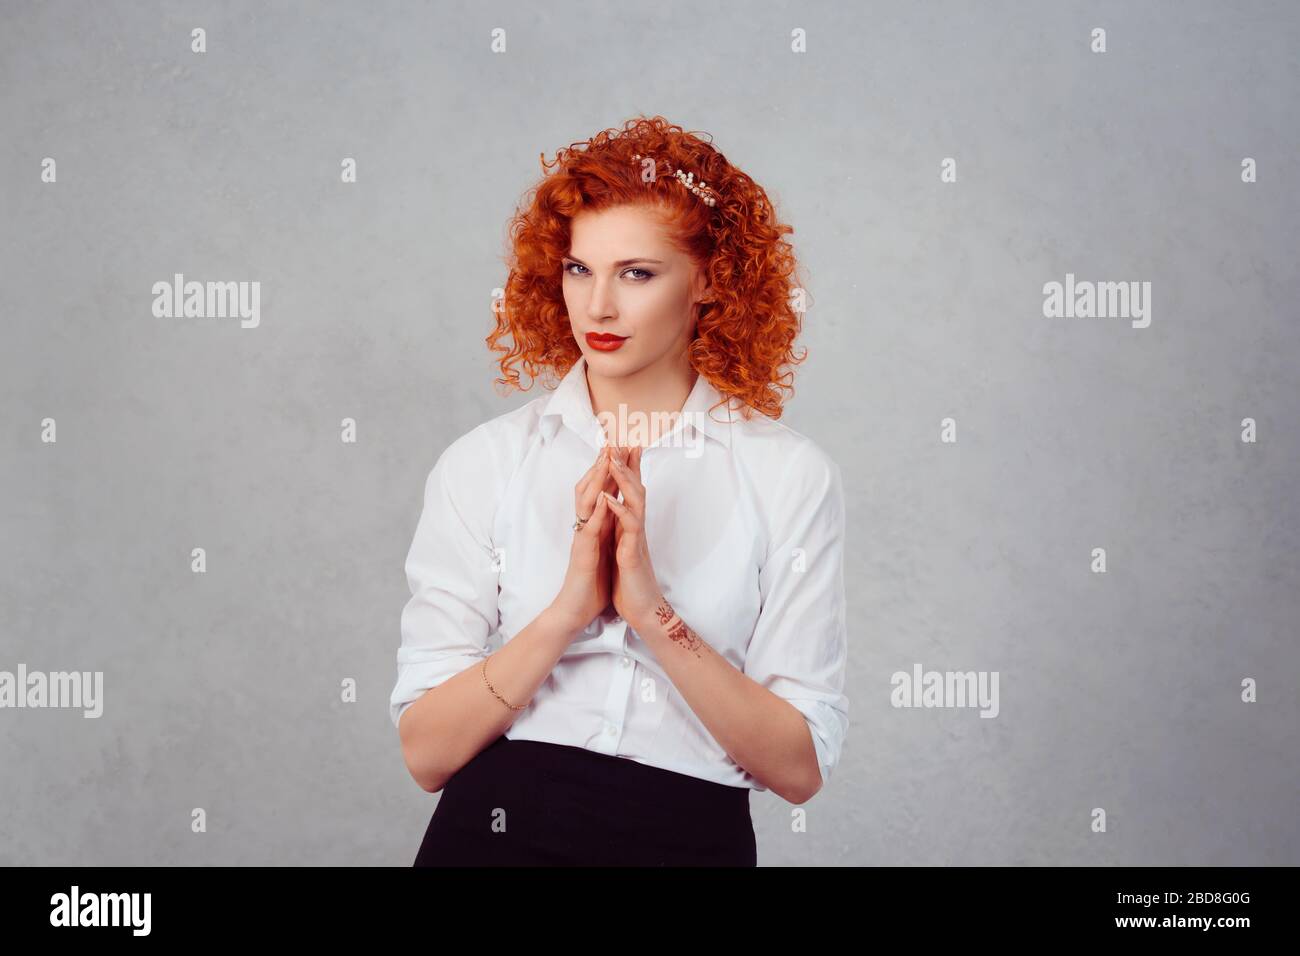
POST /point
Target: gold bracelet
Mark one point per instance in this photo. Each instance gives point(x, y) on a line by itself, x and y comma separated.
point(494, 690)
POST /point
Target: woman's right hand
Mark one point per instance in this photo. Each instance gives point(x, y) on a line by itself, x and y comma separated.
point(586, 590)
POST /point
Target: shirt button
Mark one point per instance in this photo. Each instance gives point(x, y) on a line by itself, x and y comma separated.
point(611, 729)
point(627, 662)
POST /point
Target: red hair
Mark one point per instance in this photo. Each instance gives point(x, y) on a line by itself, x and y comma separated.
point(744, 337)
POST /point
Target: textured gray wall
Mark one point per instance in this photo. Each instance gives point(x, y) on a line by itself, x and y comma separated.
point(1119, 690)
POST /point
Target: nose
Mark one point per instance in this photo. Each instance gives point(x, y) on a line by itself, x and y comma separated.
point(601, 305)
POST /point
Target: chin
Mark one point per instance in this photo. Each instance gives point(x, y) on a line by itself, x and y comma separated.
point(612, 364)
point(618, 357)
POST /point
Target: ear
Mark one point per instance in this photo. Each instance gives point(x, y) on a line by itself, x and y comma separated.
point(703, 287)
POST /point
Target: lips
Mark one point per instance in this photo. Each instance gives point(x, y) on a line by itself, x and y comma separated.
point(605, 341)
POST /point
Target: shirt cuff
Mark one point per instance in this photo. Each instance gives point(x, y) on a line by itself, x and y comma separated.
point(420, 669)
point(827, 725)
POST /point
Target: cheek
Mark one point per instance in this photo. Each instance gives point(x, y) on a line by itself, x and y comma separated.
point(664, 313)
point(572, 303)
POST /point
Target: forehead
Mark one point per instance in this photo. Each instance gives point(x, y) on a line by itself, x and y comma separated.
point(619, 233)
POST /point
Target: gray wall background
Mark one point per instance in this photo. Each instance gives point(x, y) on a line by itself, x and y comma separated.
point(222, 690)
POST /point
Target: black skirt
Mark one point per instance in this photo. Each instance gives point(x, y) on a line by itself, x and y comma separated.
point(528, 803)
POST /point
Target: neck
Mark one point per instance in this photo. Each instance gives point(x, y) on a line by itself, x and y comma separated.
point(651, 398)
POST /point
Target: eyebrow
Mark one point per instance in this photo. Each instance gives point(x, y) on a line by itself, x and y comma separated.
point(621, 262)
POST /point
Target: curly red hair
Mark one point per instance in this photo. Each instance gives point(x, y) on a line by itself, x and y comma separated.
point(744, 337)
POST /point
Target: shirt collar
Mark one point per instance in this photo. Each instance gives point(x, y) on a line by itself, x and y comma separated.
point(570, 404)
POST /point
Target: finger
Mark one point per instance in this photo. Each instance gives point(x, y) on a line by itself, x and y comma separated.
point(596, 522)
point(601, 456)
point(585, 496)
point(626, 518)
point(609, 484)
point(630, 485)
point(633, 464)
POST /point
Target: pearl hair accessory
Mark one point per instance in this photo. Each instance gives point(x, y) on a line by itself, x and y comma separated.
point(700, 189)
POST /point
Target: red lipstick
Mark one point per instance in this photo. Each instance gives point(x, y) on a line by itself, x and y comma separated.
point(605, 341)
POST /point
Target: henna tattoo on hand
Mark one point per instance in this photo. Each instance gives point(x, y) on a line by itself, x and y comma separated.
point(678, 632)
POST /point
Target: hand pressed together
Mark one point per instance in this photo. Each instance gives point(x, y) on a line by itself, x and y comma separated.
point(635, 589)
point(609, 560)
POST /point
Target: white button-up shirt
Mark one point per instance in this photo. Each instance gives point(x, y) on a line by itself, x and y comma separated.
point(744, 523)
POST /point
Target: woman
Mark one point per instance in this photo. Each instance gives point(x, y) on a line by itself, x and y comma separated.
point(627, 609)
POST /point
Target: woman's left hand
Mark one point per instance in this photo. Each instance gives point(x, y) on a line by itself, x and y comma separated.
point(635, 590)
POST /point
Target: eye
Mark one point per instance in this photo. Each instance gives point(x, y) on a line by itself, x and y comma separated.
point(645, 274)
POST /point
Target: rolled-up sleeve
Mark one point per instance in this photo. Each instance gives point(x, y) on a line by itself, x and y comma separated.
point(799, 649)
point(452, 575)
